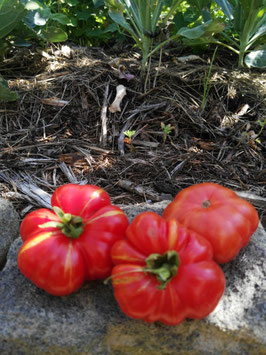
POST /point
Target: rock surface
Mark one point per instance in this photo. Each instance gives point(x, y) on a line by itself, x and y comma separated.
point(9, 228)
point(90, 322)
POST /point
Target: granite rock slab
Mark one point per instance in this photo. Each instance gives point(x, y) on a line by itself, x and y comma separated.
point(90, 321)
point(9, 228)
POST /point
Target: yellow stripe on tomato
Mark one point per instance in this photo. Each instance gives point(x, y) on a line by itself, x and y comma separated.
point(128, 259)
point(172, 233)
point(107, 214)
point(68, 263)
point(36, 241)
point(94, 196)
point(58, 201)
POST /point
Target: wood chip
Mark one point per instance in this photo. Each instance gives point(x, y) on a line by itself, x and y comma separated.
point(54, 101)
point(145, 192)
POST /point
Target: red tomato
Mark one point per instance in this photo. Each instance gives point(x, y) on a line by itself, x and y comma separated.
point(218, 214)
point(165, 272)
point(61, 251)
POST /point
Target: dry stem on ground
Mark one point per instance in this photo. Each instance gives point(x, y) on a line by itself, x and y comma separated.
point(54, 135)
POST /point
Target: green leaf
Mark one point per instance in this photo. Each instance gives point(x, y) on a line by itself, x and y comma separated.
point(227, 8)
point(46, 13)
point(21, 43)
point(84, 15)
point(191, 15)
point(98, 3)
point(156, 15)
point(129, 133)
point(54, 34)
point(200, 4)
point(61, 18)
point(11, 12)
point(191, 33)
point(6, 94)
point(259, 32)
point(120, 20)
point(179, 21)
point(113, 27)
point(262, 123)
point(72, 2)
point(256, 59)
point(212, 27)
point(73, 21)
point(206, 15)
point(115, 5)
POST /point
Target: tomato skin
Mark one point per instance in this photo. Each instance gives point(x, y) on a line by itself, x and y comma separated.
point(60, 264)
point(193, 292)
point(30, 224)
point(54, 265)
point(227, 223)
point(80, 200)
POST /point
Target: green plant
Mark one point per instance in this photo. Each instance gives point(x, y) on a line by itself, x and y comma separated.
point(21, 21)
point(144, 21)
point(192, 12)
point(206, 82)
point(140, 19)
point(87, 22)
point(129, 134)
point(11, 13)
point(44, 23)
point(166, 130)
point(6, 94)
point(262, 125)
point(247, 24)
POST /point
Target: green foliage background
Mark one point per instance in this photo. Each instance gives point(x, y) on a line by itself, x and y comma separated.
point(239, 25)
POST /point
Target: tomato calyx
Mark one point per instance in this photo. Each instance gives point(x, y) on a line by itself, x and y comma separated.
point(206, 204)
point(71, 226)
point(164, 267)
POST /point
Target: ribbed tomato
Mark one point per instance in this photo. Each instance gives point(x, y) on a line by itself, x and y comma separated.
point(65, 247)
point(165, 272)
point(218, 214)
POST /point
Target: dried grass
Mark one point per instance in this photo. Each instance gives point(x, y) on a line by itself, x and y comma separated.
point(52, 135)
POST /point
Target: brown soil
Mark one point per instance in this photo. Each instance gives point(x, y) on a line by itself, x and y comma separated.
point(49, 142)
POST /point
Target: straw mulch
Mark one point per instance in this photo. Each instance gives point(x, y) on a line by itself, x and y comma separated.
point(61, 130)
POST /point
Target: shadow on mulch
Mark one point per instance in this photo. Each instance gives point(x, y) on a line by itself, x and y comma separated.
point(55, 132)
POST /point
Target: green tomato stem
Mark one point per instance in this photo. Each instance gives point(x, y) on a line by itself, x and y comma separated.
point(71, 226)
point(164, 267)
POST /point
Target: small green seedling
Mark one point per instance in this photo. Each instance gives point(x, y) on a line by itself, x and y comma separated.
point(166, 131)
point(262, 124)
point(129, 134)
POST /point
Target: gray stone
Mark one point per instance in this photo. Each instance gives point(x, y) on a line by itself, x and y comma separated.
point(90, 322)
point(9, 228)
